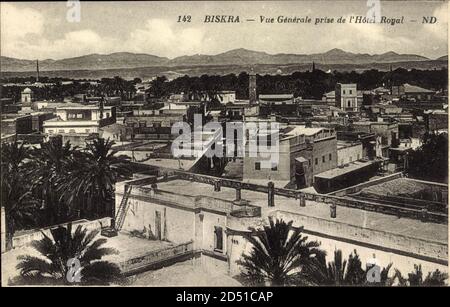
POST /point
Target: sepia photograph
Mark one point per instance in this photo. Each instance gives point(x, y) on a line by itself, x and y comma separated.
point(214, 146)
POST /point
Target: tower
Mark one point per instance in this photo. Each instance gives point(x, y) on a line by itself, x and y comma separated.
point(26, 96)
point(26, 99)
point(252, 88)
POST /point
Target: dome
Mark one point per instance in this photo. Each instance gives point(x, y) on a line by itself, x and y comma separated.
point(27, 91)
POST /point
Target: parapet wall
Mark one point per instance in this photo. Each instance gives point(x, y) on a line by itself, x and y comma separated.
point(359, 187)
point(188, 201)
point(320, 198)
point(157, 258)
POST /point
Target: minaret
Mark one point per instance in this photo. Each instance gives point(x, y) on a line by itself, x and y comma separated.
point(37, 70)
point(390, 78)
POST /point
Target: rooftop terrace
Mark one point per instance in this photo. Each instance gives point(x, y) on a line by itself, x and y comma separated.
point(351, 216)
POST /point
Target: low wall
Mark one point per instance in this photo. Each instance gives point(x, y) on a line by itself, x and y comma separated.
point(26, 237)
point(359, 187)
point(157, 258)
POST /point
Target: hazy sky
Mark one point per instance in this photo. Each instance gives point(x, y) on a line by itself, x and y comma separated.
point(41, 30)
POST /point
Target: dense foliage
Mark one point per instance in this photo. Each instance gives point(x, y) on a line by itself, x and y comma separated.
point(56, 183)
point(307, 84)
point(430, 161)
point(59, 89)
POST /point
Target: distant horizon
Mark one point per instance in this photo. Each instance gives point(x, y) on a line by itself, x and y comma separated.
point(234, 49)
point(40, 30)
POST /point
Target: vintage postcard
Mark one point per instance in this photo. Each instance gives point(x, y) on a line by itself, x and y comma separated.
point(224, 144)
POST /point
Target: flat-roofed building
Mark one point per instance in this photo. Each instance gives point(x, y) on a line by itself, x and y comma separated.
point(348, 152)
point(345, 175)
point(79, 120)
point(347, 97)
point(16, 124)
point(303, 152)
point(386, 132)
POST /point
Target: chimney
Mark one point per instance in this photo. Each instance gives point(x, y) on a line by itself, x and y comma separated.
point(252, 88)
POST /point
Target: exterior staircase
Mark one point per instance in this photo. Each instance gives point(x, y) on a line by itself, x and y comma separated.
point(120, 215)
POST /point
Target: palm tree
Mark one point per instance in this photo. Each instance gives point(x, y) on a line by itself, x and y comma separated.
point(51, 166)
point(52, 267)
point(278, 252)
point(16, 197)
point(415, 278)
point(93, 176)
point(339, 272)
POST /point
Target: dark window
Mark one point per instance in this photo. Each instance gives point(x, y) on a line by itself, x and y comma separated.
point(218, 238)
point(258, 166)
point(316, 161)
point(329, 156)
point(323, 159)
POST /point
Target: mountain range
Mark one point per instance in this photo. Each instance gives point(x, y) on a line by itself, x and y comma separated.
point(233, 57)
